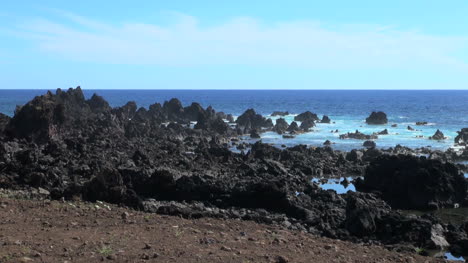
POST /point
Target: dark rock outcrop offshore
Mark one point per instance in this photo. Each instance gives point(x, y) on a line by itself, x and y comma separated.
point(151, 159)
point(377, 118)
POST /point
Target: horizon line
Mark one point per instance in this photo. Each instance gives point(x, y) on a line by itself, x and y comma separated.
point(45, 89)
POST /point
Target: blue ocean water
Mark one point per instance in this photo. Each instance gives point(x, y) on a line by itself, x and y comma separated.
point(443, 109)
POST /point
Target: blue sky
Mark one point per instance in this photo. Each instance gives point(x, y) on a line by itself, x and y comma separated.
point(234, 44)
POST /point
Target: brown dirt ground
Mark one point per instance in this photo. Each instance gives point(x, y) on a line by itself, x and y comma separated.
point(55, 231)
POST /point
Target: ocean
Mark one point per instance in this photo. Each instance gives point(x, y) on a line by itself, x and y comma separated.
point(443, 109)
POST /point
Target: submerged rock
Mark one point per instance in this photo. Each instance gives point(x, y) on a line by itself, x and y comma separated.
point(377, 118)
point(384, 132)
point(280, 113)
point(410, 182)
point(358, 135)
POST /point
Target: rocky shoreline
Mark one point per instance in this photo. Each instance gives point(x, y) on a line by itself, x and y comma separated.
point(175, 160)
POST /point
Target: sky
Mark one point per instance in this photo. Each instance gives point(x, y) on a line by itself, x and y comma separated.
point(208, 44)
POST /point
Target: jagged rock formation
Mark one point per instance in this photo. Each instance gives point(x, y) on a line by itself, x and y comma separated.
point(251, 120)
point(281, 126)
point(306, 116)
point(438, 135)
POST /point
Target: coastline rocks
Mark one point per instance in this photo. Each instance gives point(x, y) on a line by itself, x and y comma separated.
point(377, 118)
point(409, 128)
point(280, 113)
point(281, 126)
point(394, 125)
point(327, 143)
point(421, 123)
point(251, 120)
point(325, 119)
point(369, 144)
point(306, 125)
point(409, 182)
point(462, 137)
point(358, 135)
point(125, 155)
point(306, 116)
point(438, 135)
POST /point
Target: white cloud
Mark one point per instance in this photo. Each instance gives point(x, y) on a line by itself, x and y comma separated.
point(243, 41)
